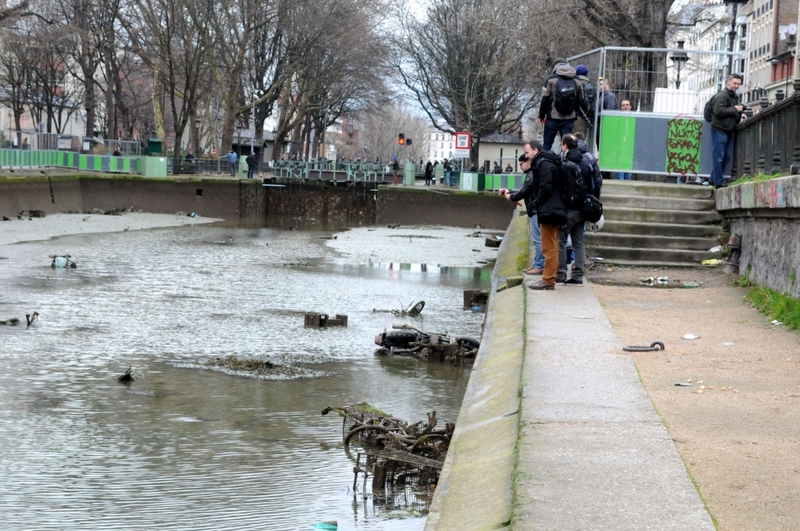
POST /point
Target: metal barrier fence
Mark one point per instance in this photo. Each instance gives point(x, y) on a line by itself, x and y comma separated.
point(667, 89)
point(22, 158)
point(33, 140)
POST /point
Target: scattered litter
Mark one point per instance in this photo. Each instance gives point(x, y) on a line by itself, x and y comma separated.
point(776, 322)
point(649, 281)
point(690, 284)
point(726, 344)
point(596, 259)
point(699, 382)
point(690, 336)
point(684, 384)
point(62, 262)
point(699, 391)
point(711, 262)
point(662, 280)
point(581, 317)
point(330, 526)
point(716, 249)
point(702, 387)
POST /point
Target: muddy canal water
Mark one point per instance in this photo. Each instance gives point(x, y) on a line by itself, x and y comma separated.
point(189, 448)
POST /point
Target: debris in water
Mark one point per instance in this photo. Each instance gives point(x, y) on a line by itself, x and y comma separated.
point(127, 377)
point(62, 261)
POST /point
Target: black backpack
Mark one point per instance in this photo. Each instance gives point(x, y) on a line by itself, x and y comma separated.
point(708, 110)
point(565, 98)
point(589, 98)
point(574, 188)
point(591, 208)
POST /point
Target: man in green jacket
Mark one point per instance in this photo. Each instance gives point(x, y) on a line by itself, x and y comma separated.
point(727, 113)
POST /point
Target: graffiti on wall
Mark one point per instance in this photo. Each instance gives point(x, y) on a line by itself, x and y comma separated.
point(683, 145)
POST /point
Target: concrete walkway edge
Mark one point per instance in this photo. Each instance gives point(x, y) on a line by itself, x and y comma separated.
point(556, 431)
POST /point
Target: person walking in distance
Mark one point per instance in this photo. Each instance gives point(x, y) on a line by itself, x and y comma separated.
point(428, 173)
point(526, 193)
point(562, 95)
point(727, 113)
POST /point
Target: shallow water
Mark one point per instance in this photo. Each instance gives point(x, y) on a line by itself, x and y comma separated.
point(187, 448)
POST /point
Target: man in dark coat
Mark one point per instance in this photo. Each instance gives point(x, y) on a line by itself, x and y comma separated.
point(727, 113)
point(545, 189)
point(574, 227)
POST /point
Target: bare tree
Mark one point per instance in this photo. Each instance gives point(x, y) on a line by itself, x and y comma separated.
point(330, 69)
point(16, 74)
point(468, 65)
point(380, 129)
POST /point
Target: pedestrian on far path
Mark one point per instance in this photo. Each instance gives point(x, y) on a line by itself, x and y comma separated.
point(395, 169)
point(251, 164)
point(232, 158)
point(428, 173)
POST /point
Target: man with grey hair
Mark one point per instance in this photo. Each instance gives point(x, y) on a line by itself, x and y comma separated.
point(727, 113)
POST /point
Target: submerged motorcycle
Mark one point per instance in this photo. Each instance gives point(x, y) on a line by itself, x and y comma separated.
point(405, 339)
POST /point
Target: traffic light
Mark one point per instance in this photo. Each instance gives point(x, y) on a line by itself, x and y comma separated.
point(401, 139)
point(408, 142)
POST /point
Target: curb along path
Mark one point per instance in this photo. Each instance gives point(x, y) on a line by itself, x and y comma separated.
point(556, 431)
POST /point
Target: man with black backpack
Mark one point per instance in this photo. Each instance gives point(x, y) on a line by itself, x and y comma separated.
point(562, 96)
point(726, 113)
point(576, 176)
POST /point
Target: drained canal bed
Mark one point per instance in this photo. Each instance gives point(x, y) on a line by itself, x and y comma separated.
point(189, 448)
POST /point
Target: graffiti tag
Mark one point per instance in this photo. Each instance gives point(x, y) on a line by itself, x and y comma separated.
point(683, 145)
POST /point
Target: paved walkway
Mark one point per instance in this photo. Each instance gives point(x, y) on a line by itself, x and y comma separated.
point(556, 431)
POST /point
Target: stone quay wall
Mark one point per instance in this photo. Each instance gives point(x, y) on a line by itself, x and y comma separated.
point(249, 202)
point(767, 217)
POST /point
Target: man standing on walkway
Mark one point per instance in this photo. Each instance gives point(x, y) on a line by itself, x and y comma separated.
point(727, 113)
point(526, 193)
point(562, 95)
point(546, 190)
point(574, 227)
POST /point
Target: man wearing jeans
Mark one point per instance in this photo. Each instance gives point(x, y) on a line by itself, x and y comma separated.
point(526, 193)
point(727, 113)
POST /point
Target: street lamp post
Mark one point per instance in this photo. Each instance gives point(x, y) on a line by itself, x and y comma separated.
point(732, 33)
point(678, 58)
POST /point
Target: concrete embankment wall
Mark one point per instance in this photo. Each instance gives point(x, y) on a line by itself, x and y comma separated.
point(248, 201)
point(475, 489)
point(767, 217)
